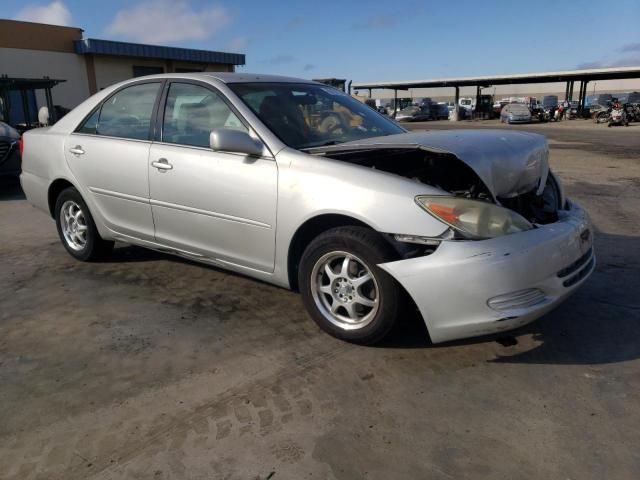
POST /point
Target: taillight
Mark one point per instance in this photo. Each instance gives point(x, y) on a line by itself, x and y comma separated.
point(21, 146)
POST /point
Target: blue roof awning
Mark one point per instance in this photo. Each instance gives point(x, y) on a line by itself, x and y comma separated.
point(124, 49)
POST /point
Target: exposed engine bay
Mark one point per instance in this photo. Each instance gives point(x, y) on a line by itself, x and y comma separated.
point(447, 172)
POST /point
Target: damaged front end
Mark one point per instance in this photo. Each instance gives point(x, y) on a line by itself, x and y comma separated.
point(486, 186)
point(509, 169)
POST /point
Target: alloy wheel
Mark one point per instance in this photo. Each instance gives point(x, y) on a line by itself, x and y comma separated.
point(74, 225)
point(345, 290)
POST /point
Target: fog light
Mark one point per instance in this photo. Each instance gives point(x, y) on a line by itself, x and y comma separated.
point(519, 299)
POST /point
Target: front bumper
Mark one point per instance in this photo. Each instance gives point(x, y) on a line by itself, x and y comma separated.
point(471, 288)
point(519, 120)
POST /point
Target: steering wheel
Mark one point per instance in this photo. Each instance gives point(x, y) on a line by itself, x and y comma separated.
point(332, 122)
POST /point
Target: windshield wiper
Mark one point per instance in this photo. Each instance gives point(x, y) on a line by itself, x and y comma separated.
point(325, 144)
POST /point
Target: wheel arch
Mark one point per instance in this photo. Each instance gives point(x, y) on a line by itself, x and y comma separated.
point(55, 189)
point(309, 230)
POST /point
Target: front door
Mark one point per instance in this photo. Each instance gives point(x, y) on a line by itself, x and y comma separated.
point(216, 204)
point(109, 154)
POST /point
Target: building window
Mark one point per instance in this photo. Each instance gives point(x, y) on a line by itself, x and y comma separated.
point(188, 70)
point(139, 71)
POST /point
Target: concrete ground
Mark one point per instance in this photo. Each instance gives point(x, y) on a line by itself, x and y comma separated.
point(148, 366)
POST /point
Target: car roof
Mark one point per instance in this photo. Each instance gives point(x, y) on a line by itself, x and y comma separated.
point(230, 77)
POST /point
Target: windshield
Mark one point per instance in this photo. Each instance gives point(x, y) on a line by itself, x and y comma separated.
point(307, 115)
point(518, 108)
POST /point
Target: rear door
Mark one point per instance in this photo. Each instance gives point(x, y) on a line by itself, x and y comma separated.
point(221, 205)
point(108, 154)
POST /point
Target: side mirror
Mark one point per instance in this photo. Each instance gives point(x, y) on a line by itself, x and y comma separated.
point(43, 116)
point(229, 140)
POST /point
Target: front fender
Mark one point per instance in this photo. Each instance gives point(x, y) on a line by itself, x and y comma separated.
point(309, 186)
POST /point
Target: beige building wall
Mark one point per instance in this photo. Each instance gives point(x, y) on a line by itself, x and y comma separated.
point(110, 70)
point(20, 62)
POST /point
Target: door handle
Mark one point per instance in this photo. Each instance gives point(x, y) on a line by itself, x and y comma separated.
point(77, 150)
point(162, 164)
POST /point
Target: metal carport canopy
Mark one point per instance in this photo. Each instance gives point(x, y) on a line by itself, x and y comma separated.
point(545, 77)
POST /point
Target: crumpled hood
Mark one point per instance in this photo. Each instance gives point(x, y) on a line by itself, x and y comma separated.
point(7, 131)
point(509, 163)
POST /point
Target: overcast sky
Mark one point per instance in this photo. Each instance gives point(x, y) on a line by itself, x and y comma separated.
point(368, 40)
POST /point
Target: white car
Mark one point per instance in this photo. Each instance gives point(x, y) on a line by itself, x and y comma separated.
point(296, 183)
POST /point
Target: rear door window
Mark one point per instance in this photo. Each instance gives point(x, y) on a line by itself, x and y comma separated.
point(127, 114)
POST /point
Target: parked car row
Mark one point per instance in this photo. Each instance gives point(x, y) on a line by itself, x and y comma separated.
point(423, 111)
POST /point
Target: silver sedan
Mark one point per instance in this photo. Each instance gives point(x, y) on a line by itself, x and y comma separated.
point(298, 184)
point(515, 113)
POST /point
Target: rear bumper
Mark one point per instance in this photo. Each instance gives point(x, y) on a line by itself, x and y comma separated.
point(471, 288)
point(36, 190)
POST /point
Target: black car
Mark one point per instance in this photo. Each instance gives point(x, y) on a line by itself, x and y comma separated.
point(9, 150)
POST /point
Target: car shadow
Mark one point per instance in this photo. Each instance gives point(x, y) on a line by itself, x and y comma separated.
point(125, 253)
point(599, 324)
point(10, 189)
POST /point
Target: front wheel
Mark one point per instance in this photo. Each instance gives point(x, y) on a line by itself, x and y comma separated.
point(77, 229)
point(344, 290)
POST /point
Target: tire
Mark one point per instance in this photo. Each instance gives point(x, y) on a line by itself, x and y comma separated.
point(609, 124)
point(77, 230)
point(362, 323)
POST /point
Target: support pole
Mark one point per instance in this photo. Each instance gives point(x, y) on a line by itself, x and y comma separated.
point(49, 100)
point(581, 97)
point(395, 102)
point(571, 91)
point(369, 93)
point(584, 95)
point(566, 91)
point(475, 113)
point(456, 106)
point(580, 93)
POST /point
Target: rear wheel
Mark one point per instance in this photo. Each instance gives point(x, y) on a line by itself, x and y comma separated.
point(76, 228)
point(344, 290)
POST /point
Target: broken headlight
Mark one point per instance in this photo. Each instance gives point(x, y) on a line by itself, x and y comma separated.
point(472, 218)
